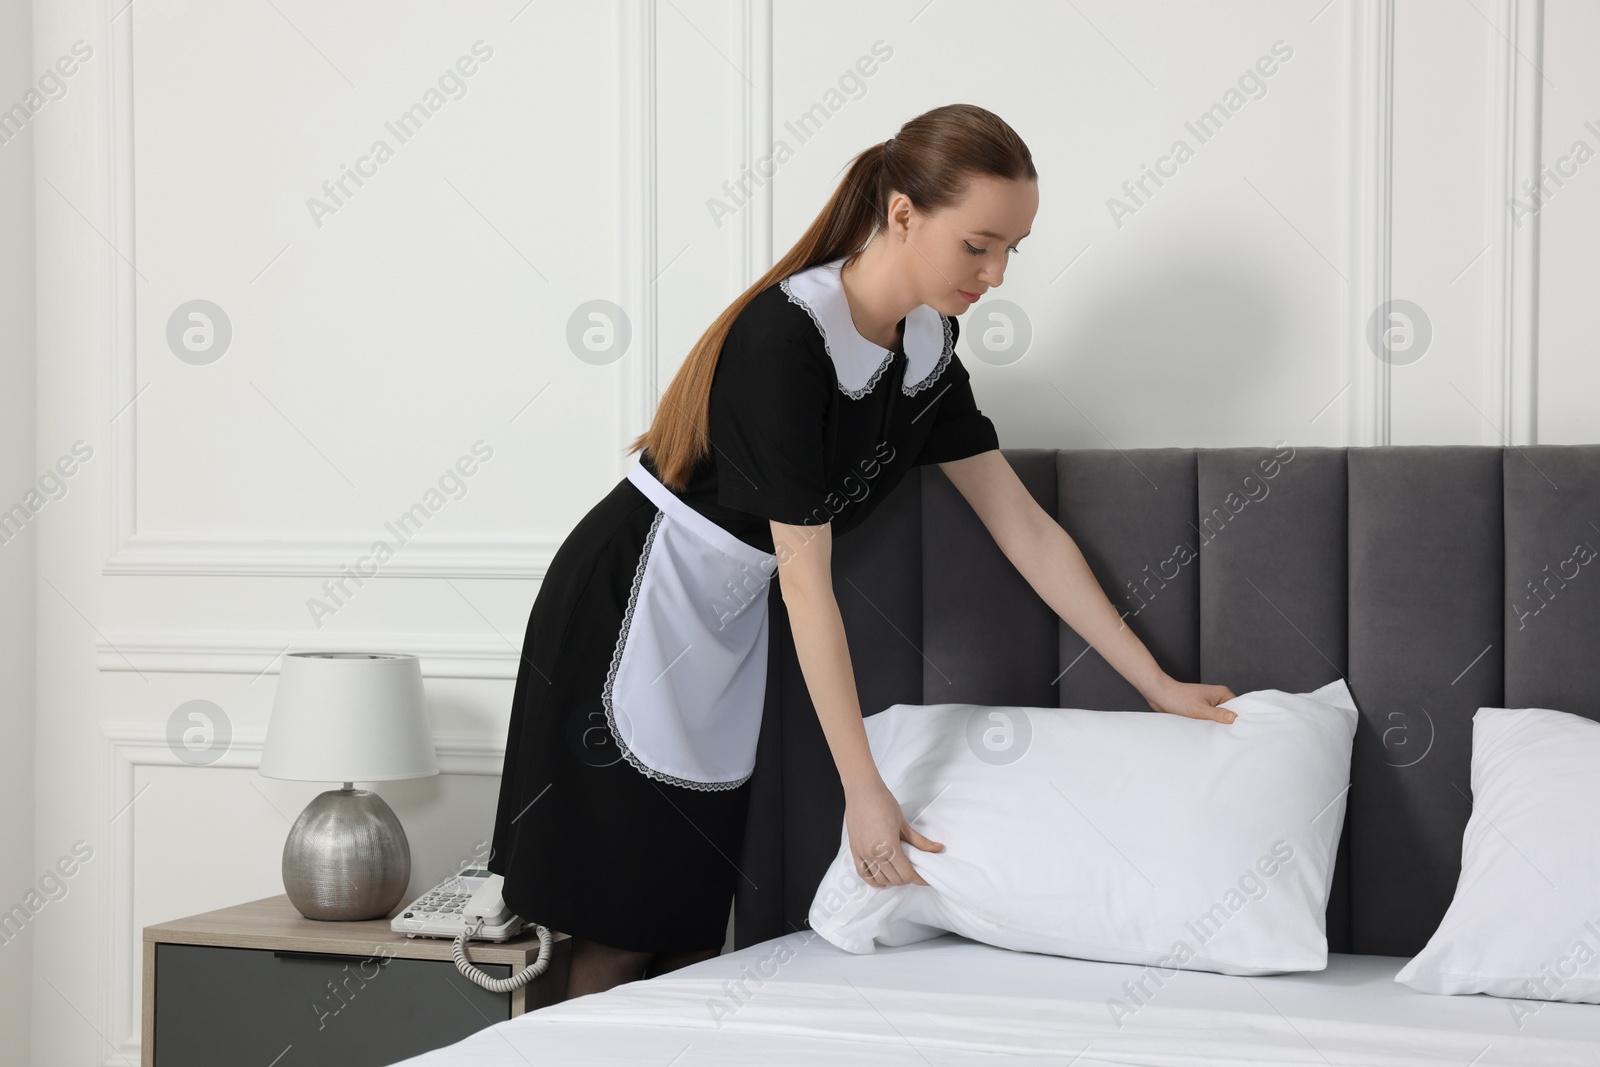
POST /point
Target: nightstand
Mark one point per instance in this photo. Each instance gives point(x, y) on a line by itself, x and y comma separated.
point(260, 983)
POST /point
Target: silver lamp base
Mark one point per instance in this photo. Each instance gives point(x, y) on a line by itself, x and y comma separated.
point(347, 857)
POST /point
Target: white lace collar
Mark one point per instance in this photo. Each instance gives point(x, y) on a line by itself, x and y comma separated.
point(857, 361)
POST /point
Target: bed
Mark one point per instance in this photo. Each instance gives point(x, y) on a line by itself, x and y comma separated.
point(955, 1001)
point(1428, 577)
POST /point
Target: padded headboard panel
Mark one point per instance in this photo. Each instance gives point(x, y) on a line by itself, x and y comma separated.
point(1435, 579)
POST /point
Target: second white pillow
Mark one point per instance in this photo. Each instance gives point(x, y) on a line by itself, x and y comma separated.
point(1525, 918)
point(1130, 837)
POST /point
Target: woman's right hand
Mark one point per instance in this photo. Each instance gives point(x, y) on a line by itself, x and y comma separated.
point(876, 826)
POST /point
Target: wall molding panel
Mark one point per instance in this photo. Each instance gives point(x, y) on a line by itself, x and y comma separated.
point(1370, 246)
point(1519, 122)
point(130, 552)
point(637, 264)
point(753, 110)
point(258, 652)
point(454, 557)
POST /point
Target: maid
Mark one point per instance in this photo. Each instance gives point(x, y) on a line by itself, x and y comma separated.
point(640, 689)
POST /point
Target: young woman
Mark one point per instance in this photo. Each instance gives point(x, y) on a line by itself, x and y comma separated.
point(640, 691)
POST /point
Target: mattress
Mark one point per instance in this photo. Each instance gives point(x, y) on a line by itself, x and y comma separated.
point(950, 1000)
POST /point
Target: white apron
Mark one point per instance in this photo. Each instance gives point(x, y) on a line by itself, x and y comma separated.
point(688, 677)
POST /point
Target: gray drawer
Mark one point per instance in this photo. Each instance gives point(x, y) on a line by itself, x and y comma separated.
point(246, 1006)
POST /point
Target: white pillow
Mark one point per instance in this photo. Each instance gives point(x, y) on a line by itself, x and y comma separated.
point(1125, 836)
point(1525, 920)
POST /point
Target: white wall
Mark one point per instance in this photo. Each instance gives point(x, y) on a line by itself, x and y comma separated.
point(1568, 382)
point(584, 162)
point(17, 540)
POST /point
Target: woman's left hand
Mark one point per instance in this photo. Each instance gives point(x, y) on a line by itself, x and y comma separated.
point(1193, 700)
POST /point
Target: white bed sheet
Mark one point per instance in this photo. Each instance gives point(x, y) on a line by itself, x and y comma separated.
point(950, 1000)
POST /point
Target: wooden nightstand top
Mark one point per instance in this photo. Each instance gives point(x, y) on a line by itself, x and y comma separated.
point(273, 923)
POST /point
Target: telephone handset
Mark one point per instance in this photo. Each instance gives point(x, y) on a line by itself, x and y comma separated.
point(469, 905)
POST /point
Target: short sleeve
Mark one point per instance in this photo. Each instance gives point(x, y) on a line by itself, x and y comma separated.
point(768, 415)
point(959, 428)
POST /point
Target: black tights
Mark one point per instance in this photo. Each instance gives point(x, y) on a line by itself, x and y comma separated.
point(597, 967)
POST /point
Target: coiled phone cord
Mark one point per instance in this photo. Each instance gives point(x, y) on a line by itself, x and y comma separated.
point(502, 985)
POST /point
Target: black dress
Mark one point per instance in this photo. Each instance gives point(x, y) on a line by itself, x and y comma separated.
point(640, 688)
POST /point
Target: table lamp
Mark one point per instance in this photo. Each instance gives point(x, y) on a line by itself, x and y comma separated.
point(348, 717)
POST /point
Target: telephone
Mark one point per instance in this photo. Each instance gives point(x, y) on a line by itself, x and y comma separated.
point(454, 903)
point(466, 905)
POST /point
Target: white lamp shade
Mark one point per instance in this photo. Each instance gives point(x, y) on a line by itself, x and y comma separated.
point(349, 717)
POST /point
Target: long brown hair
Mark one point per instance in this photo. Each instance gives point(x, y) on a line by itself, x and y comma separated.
point(932, 160)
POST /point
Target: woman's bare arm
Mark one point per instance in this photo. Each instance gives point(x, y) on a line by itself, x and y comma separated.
point(1050, 560)
point(874, 823)
point(805, 581)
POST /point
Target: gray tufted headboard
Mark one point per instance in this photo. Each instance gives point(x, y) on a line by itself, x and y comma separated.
point(1435, 579)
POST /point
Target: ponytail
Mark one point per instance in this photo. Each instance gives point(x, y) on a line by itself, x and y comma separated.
point(931, 160)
